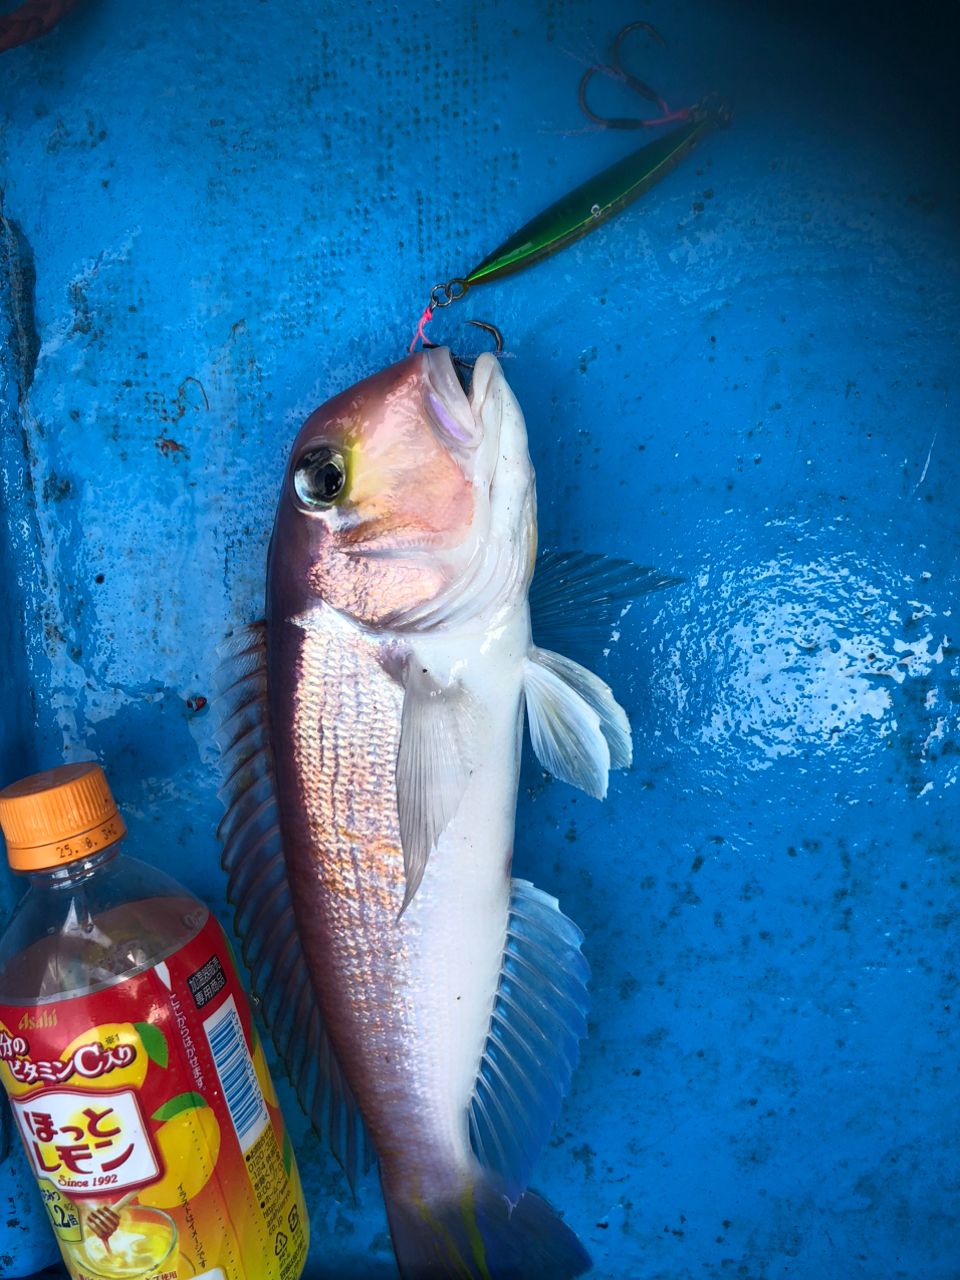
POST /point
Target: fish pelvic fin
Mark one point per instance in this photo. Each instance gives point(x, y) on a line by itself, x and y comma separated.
point(578, 729)
point(477, 1235)
point(258, 887)
point(432, 768)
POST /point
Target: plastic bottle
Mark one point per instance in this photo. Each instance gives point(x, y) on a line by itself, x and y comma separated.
point(127, 1048)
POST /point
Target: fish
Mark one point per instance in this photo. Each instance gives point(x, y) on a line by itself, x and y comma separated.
point(428, 1005)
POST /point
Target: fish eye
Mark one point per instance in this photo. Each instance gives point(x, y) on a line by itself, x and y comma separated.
point(320, 477)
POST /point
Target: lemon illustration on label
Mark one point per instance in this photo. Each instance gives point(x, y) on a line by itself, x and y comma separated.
point(188, 1141)
point(139, 1042)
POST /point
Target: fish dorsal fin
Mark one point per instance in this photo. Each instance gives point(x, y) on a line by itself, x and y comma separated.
point(432, 770)
point(578, 729)
point(257, 886)
point(576, 598)
point(533, 1045)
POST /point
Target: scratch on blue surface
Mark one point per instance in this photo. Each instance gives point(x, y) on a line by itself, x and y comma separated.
point(20, 279)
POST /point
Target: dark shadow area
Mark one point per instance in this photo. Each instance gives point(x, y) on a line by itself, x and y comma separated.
point(911, 51)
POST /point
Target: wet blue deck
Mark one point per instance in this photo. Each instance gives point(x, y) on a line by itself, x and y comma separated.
point(214, 219)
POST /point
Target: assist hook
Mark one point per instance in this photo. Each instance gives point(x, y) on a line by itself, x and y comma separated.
point(618, 71)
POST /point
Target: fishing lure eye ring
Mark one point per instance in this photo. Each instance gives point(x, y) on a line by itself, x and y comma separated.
point(320, 477)
point(441, 295)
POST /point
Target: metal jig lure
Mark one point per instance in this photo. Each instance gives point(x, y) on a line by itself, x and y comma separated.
point(600, 197)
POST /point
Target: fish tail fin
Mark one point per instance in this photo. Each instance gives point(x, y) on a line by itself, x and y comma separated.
point(479, 1236)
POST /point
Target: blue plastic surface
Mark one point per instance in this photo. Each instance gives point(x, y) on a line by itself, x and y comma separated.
point(235, 210)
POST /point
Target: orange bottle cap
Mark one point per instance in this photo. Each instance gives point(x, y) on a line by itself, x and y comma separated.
point(56, 817)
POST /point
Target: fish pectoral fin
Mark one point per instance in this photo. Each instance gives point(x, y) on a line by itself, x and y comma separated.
point(533, 1044)
point(576, 598)
point(432, 766)
point(259, 888)
point(578, 729)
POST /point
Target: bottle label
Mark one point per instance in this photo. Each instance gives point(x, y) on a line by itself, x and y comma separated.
point(151, 1123)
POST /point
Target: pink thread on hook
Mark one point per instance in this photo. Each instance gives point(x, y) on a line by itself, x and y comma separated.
point(420, 336)
point(669, 117)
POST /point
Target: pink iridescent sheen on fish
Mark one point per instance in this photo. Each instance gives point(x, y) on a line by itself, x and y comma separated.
point(371, 733)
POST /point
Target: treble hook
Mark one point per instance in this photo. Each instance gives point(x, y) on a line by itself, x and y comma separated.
point(616, 69)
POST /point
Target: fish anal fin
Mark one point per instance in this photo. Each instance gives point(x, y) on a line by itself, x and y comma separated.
point(533, 1044)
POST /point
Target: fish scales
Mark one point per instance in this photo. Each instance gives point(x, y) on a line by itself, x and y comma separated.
point(397, 659)
point(395, 998)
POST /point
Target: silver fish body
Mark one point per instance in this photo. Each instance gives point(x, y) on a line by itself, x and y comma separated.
point(407, 999)
point(372, 739)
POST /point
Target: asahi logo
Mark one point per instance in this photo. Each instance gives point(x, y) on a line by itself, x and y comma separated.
point(36, 1021)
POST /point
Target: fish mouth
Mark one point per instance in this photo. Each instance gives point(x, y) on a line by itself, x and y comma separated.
point(458, 399)
point(486, 371)
point(446, 401)
point(482, 428)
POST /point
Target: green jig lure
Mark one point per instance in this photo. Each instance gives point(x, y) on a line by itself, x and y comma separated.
point(599, 198)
